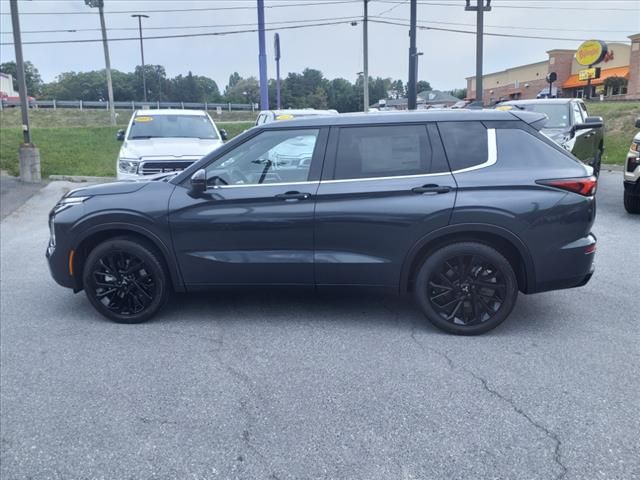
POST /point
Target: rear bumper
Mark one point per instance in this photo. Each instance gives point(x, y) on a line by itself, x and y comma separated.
point(571, 266)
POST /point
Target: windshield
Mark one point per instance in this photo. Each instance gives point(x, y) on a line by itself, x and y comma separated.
point(558, 114)
point(172, 126)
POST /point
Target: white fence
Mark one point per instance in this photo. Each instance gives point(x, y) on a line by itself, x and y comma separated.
point(81, 104)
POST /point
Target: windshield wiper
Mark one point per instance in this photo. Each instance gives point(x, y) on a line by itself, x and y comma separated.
point(142, 137)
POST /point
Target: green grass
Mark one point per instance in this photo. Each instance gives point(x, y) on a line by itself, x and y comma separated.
point(619, 120)
point(68, 117)
point(75, 151)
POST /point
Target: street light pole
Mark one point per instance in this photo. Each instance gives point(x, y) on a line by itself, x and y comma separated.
point(107, 61)
point(29, 155)
point(365, 55)
point(144, 81)
point(276, 48)
point(412, 101)
point(480, 8)
point(262, 59)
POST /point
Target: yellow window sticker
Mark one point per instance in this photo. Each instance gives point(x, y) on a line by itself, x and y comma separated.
point(284, 117)
point(143, 119)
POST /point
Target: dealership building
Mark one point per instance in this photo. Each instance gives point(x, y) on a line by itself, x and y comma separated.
point(622, 62)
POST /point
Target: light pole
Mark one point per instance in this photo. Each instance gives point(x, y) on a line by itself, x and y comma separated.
point(262, 59)
point(480, 8)
point(28, 153)
point(107, 61)
point(276, 48)
point(365, 55)
point(412, 101)
point(144, 81)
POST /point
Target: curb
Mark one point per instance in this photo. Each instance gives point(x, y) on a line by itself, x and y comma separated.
point(81, 179)
point(612, 168)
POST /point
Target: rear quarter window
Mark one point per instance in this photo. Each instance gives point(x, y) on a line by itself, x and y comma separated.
point(465, 143)
point(518, 148)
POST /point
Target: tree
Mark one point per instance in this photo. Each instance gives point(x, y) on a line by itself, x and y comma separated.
point(31, 76)
point(246, 90)
point(460, 93)
point(397, 90)
point(341, 95)
point(423, 86)
point(156, 80)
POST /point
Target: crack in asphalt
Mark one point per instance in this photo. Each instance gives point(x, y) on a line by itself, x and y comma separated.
point(485, 385)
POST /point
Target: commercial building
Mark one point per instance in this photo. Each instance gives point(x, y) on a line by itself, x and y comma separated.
point(621, 62)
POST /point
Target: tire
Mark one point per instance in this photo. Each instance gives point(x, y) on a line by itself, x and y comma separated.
point(631, 202)
point(470, 306)
point(125, 280)
point(597, 163)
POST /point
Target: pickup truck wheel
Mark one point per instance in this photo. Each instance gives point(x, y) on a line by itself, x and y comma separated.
point(466, 288)
point(631, 202)
point(597, 162)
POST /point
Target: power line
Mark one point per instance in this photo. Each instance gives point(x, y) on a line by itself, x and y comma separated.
point(504, 26)
point(507, 35)
point(185, 35)
point(184, 27)
point(207, 9)
point(533, 7)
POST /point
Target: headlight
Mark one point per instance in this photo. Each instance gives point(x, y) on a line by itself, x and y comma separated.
point(128, 165)
point(66, 202)
point(635, 147)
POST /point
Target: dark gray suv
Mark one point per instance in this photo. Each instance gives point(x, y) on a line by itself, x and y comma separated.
point(460, 209)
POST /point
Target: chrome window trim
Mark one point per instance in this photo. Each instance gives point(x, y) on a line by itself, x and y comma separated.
point(492, 153)
point(245, 185)
point(492, 158)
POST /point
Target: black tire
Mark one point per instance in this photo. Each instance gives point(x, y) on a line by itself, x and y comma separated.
point(597, 163)
point(631, 202)
point(479, 307)
point(125, 280)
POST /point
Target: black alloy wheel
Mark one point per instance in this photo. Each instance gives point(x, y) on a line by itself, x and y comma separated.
point(466, 288)
point(125, 280)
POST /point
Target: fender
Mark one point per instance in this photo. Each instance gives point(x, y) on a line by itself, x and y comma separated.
point(467, 228)
point(174, 270)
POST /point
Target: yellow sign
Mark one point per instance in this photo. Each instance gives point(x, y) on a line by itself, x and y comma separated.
point(284, 117)
point(591, 52)
point(143, 119)
point(589, 73)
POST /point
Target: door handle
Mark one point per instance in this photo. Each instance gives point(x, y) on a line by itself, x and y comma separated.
point(431, 188)
point(293, 196)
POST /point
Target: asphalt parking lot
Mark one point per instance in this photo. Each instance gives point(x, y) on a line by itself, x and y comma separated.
point(293, 385)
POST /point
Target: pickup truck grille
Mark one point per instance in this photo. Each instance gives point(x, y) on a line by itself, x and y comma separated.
point(151, 168)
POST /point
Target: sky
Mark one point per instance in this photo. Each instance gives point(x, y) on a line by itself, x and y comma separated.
point(336, 50)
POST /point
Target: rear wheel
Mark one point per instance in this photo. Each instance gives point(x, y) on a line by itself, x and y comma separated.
point(466, 288)
point(631, 202)
point(125, 280)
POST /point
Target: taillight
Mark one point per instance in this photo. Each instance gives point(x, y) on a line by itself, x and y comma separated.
point(584, 186)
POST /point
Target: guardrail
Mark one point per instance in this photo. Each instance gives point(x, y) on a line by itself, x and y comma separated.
point(82, 104)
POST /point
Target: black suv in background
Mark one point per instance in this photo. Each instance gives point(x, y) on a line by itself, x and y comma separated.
point(462, 209)
point(570, 126)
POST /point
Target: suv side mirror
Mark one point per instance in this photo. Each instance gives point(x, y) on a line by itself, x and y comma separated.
point(638, 122)
point(120, 135)
point(223, 134)
point(199, 181)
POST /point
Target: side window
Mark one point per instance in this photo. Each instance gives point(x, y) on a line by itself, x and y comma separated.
point(369, 152)
point(273, 156)
point(466, 143)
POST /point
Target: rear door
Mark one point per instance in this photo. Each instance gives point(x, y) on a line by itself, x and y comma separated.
point(383, 188)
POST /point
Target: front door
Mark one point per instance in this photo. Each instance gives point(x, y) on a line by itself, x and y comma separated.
point(383, 188)
point(254, 222)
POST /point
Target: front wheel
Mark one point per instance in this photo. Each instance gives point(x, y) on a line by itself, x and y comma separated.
point(466, 288)
point(125, 280)
point(631, 202)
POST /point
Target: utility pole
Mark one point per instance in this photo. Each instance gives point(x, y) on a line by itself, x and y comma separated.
point(365, 55)
point(480, 8)
point(144, 81)
point(412, 101)
point(262, 59)
point(107, 61)
point(276, 50)
point(28, 153)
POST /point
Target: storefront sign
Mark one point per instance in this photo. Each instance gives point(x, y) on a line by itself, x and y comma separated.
point(591, 52)
point(589, 73)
